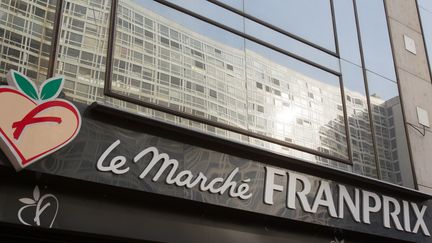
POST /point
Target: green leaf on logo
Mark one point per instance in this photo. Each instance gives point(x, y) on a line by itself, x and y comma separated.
point(51, 88)
point(25, 85)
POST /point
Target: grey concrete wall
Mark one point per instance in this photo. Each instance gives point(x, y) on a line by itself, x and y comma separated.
point(414, 82)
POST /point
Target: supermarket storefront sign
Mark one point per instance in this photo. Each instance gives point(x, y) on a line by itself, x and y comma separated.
point(338, 200)
point(104, 148)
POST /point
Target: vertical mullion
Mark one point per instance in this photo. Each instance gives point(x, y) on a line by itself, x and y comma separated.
point(55, 38)
point(110, 47)
point(335, 35)
point(365, 78)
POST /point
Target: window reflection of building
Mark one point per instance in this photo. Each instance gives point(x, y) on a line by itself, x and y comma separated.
point(159, 61)
point(386, 134)
point(162, 62)
point(388, 131)
point(293, 107)
point(83, 47)
point(25, 36)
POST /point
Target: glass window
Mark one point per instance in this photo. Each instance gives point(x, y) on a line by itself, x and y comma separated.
point(375, 38)
point(291, 45)
point(389, 131)
point(347, 31)
point(363, 154)
point(186, 56)
point(237, 4)
point(308, 19)
point(24, 45)
point(425, 4)
point(213, 12)
point(426, 20)
point(216, 66)
point(83, 45)
point(301, 103)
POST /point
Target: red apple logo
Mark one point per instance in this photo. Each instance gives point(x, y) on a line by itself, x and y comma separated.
point(34, 124)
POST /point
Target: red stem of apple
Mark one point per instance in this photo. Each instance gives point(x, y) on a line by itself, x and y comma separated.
point(31, 119)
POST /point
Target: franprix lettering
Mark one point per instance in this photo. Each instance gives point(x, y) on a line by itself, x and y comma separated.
point(361, 203)
point(337, 199)
point(184, 178)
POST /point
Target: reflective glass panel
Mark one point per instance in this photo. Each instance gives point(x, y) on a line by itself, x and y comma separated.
point(362, 150)
point(291, 45)
point(294, 102)
point(25, 37)
point(347, 31)
point(309, 19)
point(213, 12)
point(426, 20)
point(375, 38)
point(185, 64)
point(389, 128)
point(426, 4)
point(83, 47)
point(237, 4)
point(179, 62)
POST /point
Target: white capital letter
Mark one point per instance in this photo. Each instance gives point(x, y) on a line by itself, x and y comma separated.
point(367, 209)
point(394, 214)
point(269, 186)
point(420, 221)
point(292, 191)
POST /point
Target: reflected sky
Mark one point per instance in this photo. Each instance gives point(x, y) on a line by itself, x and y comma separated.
point(353, 78)
point(375, 38)
point(241, 24)
point(426, 18)
point(212, 11)
point(381, 87)
point(282, 41)
point(347, 31)
point(237, 4)
point(426, 4)
point(309, 19)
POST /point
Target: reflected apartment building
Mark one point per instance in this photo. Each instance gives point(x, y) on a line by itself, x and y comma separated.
point(25, 36)
point(162, 62)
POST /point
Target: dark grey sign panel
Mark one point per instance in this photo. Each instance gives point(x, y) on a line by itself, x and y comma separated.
point(84, 211)
point(123, 157)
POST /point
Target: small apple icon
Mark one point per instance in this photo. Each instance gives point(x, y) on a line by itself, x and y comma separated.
point(39, 210)
point(34, 124)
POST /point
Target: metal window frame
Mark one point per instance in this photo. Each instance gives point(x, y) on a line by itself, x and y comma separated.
point(110, 93)
point(366, 85)
point(287, 33)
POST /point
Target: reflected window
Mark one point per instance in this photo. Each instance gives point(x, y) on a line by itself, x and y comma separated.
point(362, 146)
point(301, 104)
point(25, 37)
point(390, 135)
point(203, 70)
point(83, 47)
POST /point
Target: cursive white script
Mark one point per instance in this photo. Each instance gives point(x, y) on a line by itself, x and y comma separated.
point(184, 178)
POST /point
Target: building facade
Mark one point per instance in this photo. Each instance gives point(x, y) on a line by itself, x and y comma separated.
point(337, 90)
